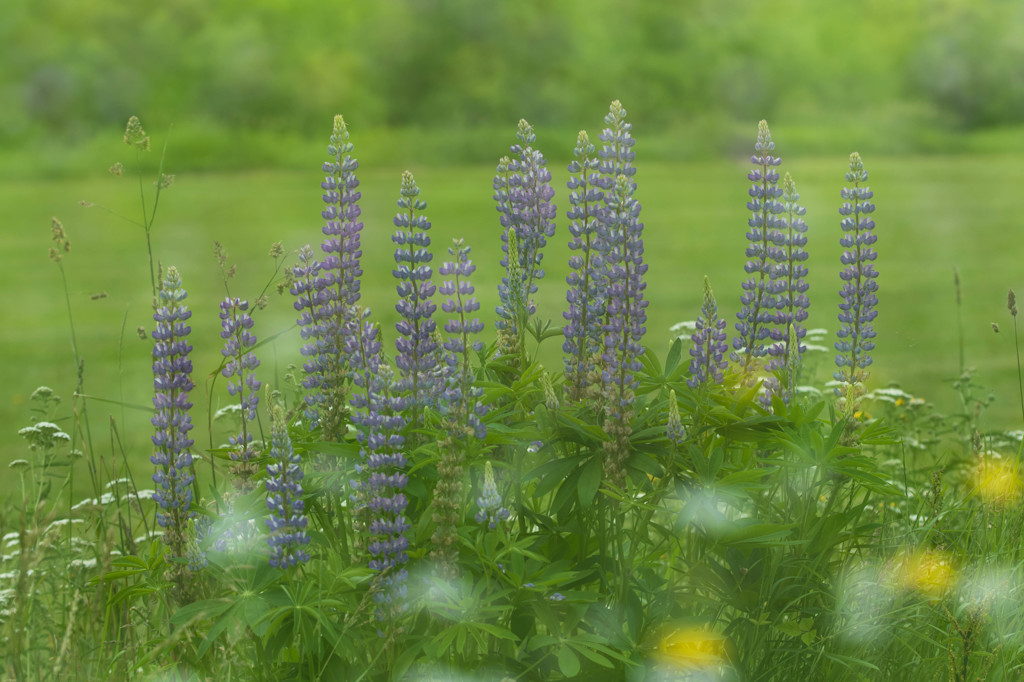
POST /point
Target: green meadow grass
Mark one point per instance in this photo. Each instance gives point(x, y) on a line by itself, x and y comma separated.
point(934, 214)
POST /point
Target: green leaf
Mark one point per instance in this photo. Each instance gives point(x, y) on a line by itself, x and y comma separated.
point(590, 481)
point(568, 662)
point(754, 534)
point(592, 655)
point(675, 353)
point(200, 610)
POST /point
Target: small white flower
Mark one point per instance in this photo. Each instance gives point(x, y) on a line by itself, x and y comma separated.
point(682, 328)
point(59, 523)
point(83, 563)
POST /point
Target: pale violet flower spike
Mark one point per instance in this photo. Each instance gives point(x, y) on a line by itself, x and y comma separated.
point(172, 382)
point(761, 290)
point(709, 345)
point(857, 313)
point(418, 355)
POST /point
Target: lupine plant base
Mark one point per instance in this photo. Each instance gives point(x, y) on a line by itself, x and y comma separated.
point(434, 502)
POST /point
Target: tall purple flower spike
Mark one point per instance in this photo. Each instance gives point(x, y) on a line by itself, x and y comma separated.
point(587, 281)
point(460, 394)
point(328, 290)
point(287, 522)
point(523, 193)
point(236, 324)
point(417, 357)
point(857, 313)
point(709, 344)
point(790, 277)
point(378, 409)
point(172, 382)
point(761, 289)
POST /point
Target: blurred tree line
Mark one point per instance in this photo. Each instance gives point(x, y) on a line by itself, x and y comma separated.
point(71, 67)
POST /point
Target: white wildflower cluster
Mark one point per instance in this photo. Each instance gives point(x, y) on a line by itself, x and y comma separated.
point(683, 330)
point(43, 435)
point(815, 337)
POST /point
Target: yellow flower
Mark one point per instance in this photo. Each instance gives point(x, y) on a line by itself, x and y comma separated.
point(929, 572)
point(691, 648)
point(997, 481)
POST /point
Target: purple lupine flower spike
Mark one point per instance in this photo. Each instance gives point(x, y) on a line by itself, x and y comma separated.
point(417, 357)
point(792, 302)
point(625, 320)
point(334, 289)
point(709, 344)
point(378, 416)
point(616, 153)
point(461, 396)
point(236, 324)
point(760, 290)
point(308, 302)
point(857, 312)
point(586, 294)
point(172, 381)
point(287, 522)
point(523, 194)
point(621, 247)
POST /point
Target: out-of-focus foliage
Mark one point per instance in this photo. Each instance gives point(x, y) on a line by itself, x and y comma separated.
point(72, 67)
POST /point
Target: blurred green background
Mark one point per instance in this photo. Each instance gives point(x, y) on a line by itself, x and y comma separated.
point(914, 75)
point(930, 92)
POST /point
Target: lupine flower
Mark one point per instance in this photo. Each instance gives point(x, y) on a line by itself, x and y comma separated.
point(709, 345)
point(378, 416)
point(239, 340)
point(287, 521)
point(760, 290)
point(586, 294)
point(523, 195)
point(625, 318)
point(417, 349)
point(792, 270)
point(308, 302)
point(617, 153)
point(464, 409)
point(859, 286)
point(461, 396)
point(792, 301)
point(330, 289)
point(172, 381)
point(492, 511)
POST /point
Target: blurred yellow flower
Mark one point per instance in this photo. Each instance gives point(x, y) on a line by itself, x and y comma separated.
point(997, 481)
point(691, 648)
point(929, 572)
